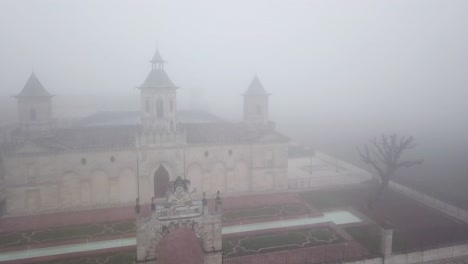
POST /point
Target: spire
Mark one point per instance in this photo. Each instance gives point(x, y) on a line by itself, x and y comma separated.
point(157, 61)
point(158, 77)
point(33, 88)
point(256, 88)
point(157, 57)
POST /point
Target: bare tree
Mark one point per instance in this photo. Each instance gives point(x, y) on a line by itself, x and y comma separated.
point(384, 156)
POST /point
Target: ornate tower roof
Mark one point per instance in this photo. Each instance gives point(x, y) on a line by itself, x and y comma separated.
point(157, 78)
point(33, 88)
point(256, 88)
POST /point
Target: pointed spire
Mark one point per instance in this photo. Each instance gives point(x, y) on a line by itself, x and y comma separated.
point(33, 87)
point(256, 88)
point(157, 57)
point(158, 77)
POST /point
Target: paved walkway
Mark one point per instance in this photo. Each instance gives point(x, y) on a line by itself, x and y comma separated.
point(337, 217)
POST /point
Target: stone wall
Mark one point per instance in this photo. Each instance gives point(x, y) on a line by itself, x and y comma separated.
point(51, 182)
point(430, 201)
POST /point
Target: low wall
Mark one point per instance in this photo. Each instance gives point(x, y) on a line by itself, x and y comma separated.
point(367, 261)
point(428, 255)
point(419, 256)
point(425, 199)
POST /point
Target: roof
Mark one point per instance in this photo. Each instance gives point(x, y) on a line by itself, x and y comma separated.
point(230, 133)
point(122, 118)
point(256, 88)
point(157, 78)
point(80, 138)
point(111, 118)
point(33, 88)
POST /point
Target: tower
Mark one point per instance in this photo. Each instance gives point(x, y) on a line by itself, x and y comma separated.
point(34, 108)
point(256, 104)
point(158, 106)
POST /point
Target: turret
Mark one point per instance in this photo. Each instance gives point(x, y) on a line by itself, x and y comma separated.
point(256, 104)
point(158, 106)
point(34, 108)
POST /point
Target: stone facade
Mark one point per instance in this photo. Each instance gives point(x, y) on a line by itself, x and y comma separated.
point(100, 166)
point(60, 181)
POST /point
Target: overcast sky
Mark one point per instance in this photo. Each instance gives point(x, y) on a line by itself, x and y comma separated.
point(380, 60)
point(339, 71)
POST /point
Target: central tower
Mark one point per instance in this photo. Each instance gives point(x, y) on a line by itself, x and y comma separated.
point(158, 106)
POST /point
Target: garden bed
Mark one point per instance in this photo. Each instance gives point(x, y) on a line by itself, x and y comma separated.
point(281, 240)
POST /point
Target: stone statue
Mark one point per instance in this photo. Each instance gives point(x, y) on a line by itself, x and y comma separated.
point(218, 202)
point(180, 195)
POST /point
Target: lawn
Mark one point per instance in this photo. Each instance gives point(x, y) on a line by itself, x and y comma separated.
point(415, 225)
point(264, 211)
point(367, 235)
point(65, 233)
point(257, 244)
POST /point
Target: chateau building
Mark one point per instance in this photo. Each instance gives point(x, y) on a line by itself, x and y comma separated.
point(109, 159)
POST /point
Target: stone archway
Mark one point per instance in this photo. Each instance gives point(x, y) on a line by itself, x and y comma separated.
point(191, 217)
point(167, 231)
point(180, 246)
point(161, 182)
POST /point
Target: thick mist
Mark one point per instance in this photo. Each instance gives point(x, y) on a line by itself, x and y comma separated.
point(339, 72)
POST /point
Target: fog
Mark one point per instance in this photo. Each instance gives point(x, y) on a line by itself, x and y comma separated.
point(339, 71)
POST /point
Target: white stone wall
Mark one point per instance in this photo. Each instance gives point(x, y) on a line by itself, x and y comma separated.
point(44, 182)
point(69, 181)
point(149, 109)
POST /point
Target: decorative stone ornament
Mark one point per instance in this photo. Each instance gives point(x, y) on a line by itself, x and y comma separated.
point(180, 212)
point(137, 206)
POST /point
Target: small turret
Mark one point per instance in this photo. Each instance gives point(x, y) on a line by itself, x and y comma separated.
point(256, 104)
point(34, 108)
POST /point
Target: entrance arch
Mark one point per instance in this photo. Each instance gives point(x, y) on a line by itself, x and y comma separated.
point(161, 182)
point(180, 246)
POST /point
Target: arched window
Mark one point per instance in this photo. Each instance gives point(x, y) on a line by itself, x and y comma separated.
point(32, 114)
point(160, 108)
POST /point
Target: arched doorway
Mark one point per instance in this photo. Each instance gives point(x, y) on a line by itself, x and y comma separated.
point(161, 182)
point(180, 246)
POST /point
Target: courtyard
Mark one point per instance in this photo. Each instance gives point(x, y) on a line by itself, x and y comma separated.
point(266, 225)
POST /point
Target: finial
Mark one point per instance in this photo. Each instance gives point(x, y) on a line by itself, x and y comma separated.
point(137, 206)
point(218, 202)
